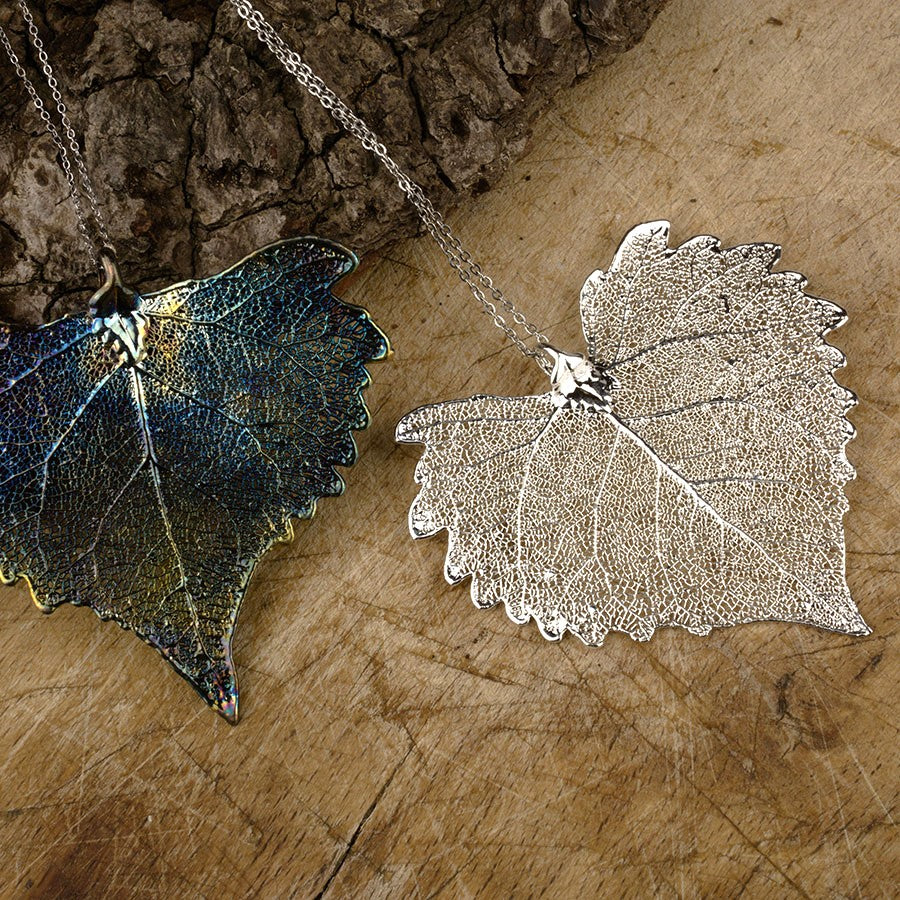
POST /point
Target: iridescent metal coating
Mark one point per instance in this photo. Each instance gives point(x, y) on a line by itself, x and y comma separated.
point(146, 481)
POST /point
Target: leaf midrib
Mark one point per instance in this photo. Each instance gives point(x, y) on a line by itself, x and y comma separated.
point(622, 428)
point(686, 485)
point(137, 388)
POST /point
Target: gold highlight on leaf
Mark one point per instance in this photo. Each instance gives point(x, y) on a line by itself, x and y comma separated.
point(150, 457)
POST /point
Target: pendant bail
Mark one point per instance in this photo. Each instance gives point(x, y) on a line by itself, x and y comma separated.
point(577, 382)
point(114, 309)
point(113, 296)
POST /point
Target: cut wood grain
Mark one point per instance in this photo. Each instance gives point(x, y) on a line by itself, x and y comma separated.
point(397, 742)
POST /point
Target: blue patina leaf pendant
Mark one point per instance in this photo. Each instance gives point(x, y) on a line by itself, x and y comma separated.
point(150, 456)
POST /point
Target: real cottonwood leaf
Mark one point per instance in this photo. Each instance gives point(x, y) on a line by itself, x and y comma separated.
point(148, 490)
point(709, 494)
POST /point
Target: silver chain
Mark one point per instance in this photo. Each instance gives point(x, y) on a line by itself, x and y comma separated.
point(481, 286)
point(82, 184)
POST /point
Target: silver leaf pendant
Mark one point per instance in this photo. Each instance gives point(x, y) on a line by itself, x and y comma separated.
point(688, 470)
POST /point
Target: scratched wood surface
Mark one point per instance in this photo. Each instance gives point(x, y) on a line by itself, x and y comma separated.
point(397, 742)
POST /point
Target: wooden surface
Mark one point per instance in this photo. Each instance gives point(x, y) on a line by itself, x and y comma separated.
point(397, 742)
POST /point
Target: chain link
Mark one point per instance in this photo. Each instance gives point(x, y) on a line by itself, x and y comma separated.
point(469, 271)
point(67, 142)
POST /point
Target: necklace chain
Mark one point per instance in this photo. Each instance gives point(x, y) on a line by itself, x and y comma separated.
point(483, 289)
point(470, 272)
point(82, 184)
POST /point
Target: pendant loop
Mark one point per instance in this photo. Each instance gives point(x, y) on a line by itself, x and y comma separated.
point(114, 308)
point(577, 382)
point(113, 296)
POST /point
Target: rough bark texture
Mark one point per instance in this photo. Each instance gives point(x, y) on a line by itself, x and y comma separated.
point(202, 148)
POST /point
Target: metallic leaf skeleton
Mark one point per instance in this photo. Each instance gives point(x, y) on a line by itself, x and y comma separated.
point(688, 471)
point(151, 454)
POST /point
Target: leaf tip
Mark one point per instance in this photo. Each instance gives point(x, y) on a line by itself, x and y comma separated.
point(838, 613)
point(223, 693)
point(287, 534)
point(384, 349)
point(656, 230)
point(408, 430)
point(218, 685)
point(228, 709)
point(648, 237)
point(421, 520)
point(856, 625)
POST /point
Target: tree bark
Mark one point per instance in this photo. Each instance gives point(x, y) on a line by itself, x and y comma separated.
point(202, 148)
